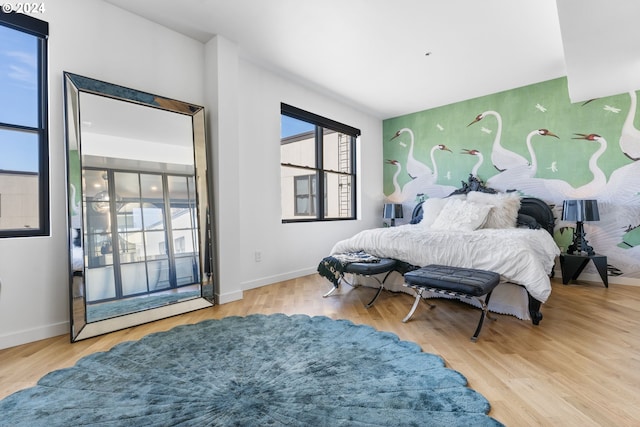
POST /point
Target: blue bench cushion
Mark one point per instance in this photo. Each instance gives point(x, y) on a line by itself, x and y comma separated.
point(464, 280)
point(370, 268)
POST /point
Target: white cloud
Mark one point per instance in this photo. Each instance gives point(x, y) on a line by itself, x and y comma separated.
point(25, 58)
point(22, 68)
point(21, 74)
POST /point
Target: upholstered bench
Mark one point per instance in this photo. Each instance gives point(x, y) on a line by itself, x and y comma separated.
point(453, 281)
point(369, 269)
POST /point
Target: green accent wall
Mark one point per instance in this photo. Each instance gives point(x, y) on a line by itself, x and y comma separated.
point(563, 167)
point(540, 106)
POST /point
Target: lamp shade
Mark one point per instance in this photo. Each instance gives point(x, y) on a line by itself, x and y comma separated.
point(580, 210)
point(392, 211)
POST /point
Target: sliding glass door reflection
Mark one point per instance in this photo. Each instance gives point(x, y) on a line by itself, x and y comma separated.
point(153, 216)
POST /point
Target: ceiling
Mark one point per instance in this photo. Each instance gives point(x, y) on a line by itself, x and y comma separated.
point(390, 58)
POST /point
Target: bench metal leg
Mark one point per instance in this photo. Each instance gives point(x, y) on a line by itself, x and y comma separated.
point(375, 297)
point(484, 303)
point(485, 313)
point(342, 280)
point(415, 305)
point(333, 289)
point(379, 291)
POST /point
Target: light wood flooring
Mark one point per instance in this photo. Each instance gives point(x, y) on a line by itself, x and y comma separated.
point(579, 367)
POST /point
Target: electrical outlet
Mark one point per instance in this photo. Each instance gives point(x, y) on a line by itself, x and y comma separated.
point(258, 256)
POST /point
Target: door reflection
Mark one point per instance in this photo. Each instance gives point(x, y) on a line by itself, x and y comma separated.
point(154, 252)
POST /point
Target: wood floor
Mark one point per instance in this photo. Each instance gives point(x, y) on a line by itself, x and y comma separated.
point(579, 367)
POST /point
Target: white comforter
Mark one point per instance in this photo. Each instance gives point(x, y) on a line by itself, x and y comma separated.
point(521, 256)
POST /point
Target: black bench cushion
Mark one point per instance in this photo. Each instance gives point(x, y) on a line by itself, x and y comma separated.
point(369, 268)
point(464, 280)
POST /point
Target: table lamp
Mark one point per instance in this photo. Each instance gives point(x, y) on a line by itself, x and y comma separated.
point(580, 211)
point(392, 211)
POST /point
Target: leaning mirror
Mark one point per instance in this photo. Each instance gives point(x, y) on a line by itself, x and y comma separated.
point(139, 227)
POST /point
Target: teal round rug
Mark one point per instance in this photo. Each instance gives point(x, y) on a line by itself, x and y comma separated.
point(258, 370)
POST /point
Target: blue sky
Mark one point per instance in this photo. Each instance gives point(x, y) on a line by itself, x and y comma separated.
point(18, 99)
point(290, 126)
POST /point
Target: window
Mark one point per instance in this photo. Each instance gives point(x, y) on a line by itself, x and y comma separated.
point(305, 195)
point(317, 157)
point(24, 151)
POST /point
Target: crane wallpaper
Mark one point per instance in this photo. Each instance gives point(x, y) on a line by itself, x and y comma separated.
point(535, 141)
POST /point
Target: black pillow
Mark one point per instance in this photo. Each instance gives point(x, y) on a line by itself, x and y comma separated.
point(416, 219)
point(527, 221)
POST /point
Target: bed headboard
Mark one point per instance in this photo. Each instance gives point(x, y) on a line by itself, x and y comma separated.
point(533, 213)
point(539, 210)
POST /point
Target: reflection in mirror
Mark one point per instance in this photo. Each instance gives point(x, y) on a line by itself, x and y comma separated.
point(138, 207)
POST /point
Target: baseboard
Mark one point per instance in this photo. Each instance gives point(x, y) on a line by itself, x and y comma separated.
point(594, 277)
point(263, 281)
point(36, 334)
point(228, 297)
point(616, 280)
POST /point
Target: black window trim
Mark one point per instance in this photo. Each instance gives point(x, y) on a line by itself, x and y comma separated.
point(39, 29)
point(306, 116)
point(321, 123)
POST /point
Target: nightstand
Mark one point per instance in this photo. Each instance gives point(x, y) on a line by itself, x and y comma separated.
point(572, 266)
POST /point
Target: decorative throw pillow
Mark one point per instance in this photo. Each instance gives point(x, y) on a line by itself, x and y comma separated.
point(416, 219)
point(505, 207)
point(461, 215)
point(430, 210)
point(527, 221)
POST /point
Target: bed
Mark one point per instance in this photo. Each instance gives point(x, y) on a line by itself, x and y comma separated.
point(475, 227)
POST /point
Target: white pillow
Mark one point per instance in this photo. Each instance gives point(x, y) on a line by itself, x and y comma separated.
point(505, 207)
point(461, 215)
point(430, 210)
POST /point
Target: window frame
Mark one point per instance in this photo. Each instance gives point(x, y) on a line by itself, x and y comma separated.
point(321, 124)
point(311, 194)
point(40, 30)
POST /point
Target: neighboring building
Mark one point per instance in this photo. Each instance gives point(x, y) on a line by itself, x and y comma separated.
point(18, 200)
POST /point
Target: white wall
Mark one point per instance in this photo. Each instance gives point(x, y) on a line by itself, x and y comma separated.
point(97, 40)
point(244, 118)
point(221, 90)
point(242, 100)
point(292, 250)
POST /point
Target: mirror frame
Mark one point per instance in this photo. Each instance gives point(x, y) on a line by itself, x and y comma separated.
point(79, 327)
